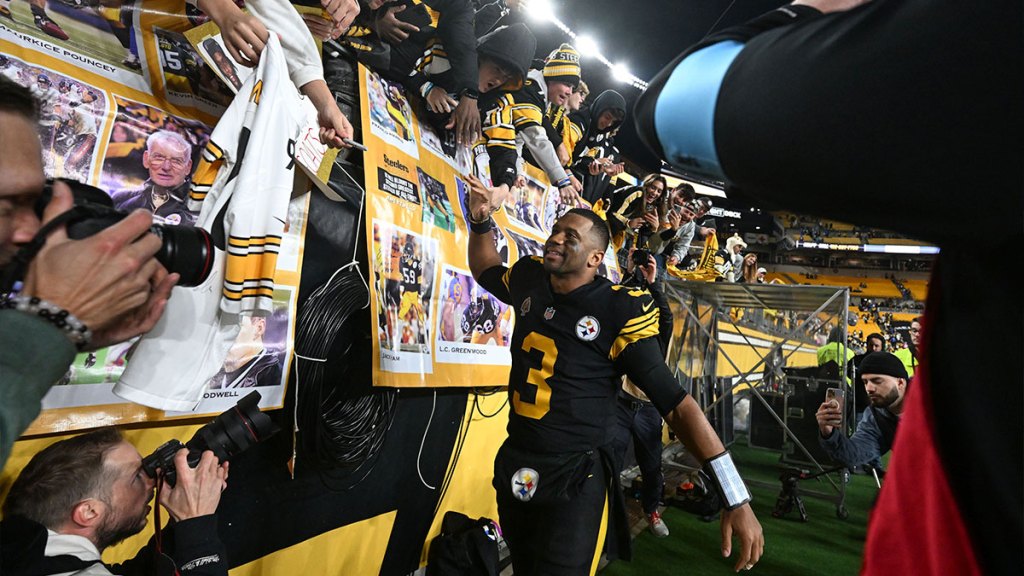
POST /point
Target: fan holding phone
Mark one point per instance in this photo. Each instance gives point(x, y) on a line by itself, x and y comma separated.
point(885, 380)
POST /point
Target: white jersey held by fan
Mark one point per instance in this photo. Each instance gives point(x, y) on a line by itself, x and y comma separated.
point(241, 188)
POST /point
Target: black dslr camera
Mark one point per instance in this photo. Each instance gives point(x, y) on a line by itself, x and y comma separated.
point(232, 432)
point(640, 256)
point(186, 250)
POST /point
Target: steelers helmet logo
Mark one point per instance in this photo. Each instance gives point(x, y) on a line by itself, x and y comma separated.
point(524, 484)
point(588, 328)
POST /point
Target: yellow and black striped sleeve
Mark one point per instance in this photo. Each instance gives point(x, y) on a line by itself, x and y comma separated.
point(638, 353)
point(500, 135)
point(642, 313)
point(205, 174)
point(624, 206)
point(571, 136)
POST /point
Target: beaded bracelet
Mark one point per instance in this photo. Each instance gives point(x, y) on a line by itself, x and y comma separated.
point(66, 322)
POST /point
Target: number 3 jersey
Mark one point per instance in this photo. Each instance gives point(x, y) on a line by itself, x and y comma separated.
point(568, 356)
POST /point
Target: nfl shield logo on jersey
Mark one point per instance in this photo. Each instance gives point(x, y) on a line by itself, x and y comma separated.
point(549, 313)
point(587, 328)
point(524, 483)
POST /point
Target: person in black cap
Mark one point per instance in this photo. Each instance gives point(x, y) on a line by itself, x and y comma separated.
point(885, 380)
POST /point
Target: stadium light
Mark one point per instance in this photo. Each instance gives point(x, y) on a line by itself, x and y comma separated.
point(541, 10)
point(621, 73)
point(587, 46)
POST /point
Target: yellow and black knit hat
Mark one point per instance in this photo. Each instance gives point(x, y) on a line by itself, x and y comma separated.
point(563, 65)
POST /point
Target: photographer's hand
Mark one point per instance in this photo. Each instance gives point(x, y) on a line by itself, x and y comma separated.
point(102, 278)
point(197, 492)
point(650, 269)
point(142, 319)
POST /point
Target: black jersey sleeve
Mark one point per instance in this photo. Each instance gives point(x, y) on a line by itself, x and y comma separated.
point(665, 320)
point(645, 365)
point(495, 280)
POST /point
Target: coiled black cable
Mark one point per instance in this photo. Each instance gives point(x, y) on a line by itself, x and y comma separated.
point(342, 424)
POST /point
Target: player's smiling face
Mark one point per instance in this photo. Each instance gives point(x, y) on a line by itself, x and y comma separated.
point(568, 248)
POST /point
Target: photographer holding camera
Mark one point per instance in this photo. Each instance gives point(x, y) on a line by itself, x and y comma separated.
point(83, 494)
point(76, 294)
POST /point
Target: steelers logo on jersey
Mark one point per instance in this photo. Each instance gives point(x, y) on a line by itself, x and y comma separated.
point(588, 328)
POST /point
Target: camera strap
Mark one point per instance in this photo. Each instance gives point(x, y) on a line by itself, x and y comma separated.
point(163, 564)
point(19, 264)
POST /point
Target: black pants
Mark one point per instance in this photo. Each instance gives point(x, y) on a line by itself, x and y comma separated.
point(639, 422)
point(561, 539)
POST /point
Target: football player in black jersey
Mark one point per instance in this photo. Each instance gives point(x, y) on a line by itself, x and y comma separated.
point(575, 335)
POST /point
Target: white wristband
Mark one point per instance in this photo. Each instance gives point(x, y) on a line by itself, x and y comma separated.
point(727, 480)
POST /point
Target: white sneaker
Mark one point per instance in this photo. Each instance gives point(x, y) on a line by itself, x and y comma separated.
point(658, 527)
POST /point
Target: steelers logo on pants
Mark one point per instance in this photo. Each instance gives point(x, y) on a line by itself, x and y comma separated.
point(524, 484)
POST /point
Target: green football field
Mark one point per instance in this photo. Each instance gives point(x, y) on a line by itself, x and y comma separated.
point(84, 38)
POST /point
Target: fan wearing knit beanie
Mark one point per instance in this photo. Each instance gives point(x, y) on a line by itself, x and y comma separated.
point(561, 74)
point(885, 380)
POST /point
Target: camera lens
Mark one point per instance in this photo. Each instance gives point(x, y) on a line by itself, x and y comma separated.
point(187, 251)
point(230, 433)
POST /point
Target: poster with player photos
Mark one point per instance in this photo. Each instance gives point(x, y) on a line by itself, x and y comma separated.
point(524, 204)
point(208, 43)
point(99, 39)
point(391, 117)
point(150, 154)
point(437, 208)
point(526, 246)
point(443, 146)
point(187, 78)
point(72, 115)
point(404, 263)
point(417, 196)
point(472, 325)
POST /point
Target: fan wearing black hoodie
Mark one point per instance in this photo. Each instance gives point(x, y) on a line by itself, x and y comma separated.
point(592, 132)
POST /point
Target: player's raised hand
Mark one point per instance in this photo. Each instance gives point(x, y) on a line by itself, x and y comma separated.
point(483, 201)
